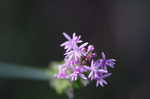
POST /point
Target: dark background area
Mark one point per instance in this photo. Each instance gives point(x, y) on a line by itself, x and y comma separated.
point(31, 32)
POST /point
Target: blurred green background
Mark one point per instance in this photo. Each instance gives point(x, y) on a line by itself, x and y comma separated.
point(31, 34)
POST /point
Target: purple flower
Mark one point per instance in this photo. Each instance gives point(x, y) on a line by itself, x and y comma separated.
point(105, 62)
point(62, 73)
point(95, 71)
point(78, 71)
point(101, 80)
point(72, 42)
point(88, 53)
point(90, 48)
point(80, 62)
point(76, 53)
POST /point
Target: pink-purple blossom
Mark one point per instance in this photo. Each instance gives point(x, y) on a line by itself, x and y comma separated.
point(104, 63)
point(81, 62)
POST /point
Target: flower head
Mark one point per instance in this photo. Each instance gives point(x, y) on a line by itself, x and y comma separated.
point(101, 79)
point(95, 71)
point(80, 62)
point(78, 71)
point(103, 62)
point(72, 42)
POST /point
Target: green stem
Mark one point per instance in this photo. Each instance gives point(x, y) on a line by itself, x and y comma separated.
point(13, 71)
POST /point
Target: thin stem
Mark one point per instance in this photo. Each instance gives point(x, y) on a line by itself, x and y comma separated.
point(12, 71)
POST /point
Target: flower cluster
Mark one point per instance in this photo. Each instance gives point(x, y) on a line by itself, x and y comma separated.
point(80, 62)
